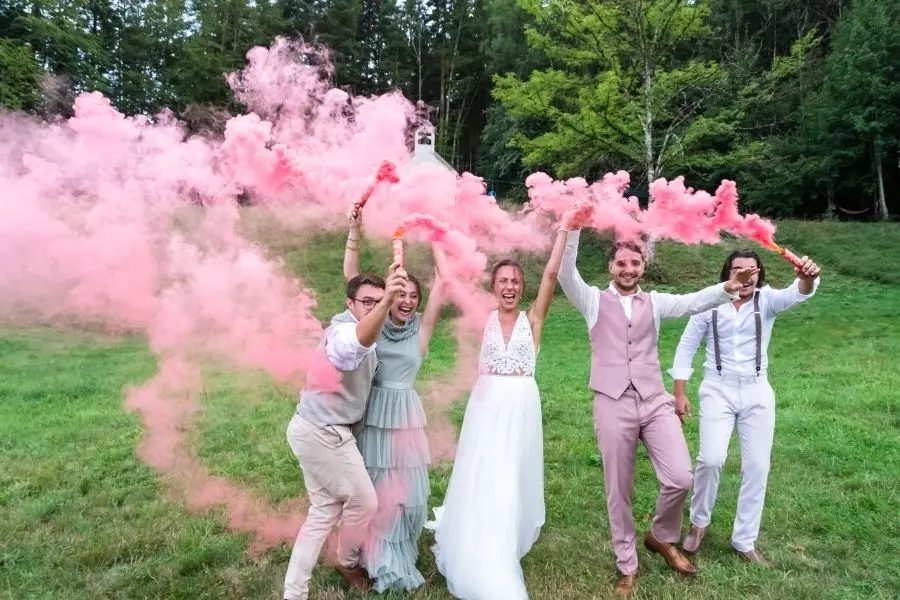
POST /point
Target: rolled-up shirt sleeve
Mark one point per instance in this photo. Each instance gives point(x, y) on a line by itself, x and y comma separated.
point(343, 348)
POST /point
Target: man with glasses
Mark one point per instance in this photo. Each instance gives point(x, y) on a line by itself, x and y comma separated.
point(735, 389)
point(321, 434)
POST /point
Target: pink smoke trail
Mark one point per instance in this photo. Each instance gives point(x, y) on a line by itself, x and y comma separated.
point(103, 223)
point(167, 407)
point(466, 264)
point(677, 212)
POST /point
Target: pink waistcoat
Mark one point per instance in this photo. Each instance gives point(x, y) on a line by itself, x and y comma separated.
point(624, 352)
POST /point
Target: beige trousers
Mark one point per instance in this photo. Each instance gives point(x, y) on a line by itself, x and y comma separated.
point(339, 489)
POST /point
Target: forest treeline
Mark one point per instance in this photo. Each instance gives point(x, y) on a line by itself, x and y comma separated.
point(796, 100)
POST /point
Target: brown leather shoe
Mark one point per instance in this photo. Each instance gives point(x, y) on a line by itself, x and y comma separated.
point(693, 539)
point(675, 559)
point(626, 585)
point(754, 556)
point(357, 577)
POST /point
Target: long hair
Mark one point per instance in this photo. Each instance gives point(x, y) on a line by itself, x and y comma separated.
point(418, 284)
point(745, 253)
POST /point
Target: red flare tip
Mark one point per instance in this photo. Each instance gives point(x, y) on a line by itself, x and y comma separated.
point(387, 172)
point(583, 214)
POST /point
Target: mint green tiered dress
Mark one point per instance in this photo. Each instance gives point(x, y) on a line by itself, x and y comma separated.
point(395, 450)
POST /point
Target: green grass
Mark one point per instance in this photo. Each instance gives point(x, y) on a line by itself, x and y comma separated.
point(82, 518)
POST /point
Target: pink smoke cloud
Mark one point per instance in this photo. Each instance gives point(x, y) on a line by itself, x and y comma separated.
point(132, 223)
point(678, 213)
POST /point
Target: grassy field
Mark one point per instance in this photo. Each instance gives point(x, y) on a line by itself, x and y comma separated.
point(82, 518)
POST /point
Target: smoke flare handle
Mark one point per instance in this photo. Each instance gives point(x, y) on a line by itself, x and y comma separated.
point(397, 244)
point(788, 255)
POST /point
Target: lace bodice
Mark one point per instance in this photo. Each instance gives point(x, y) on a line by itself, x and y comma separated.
point(516, 358)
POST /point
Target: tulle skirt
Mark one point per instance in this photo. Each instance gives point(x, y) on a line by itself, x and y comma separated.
point(394, 448)
point(494, 507)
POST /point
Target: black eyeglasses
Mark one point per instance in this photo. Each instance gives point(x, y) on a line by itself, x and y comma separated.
point(366, 302)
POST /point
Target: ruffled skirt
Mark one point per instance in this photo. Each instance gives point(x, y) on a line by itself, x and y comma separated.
point(395, 450)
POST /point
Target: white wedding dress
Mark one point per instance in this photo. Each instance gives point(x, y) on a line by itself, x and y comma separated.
point(494, 507)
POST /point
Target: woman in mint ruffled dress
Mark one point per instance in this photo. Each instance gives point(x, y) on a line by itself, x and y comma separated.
point(392, 441)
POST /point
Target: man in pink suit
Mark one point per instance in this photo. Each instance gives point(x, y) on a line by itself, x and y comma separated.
point(630, 401)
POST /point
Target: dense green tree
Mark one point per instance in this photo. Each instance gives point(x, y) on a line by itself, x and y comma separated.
point(796, 101)
point(621, 91)
point(855, 117)
point(20, 75)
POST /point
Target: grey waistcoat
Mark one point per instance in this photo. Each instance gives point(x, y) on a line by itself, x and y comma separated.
point(347, 406)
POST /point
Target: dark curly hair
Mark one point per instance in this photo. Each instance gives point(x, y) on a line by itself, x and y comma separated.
point(745, 253)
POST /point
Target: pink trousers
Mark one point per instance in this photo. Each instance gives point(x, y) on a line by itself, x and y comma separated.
point(619, 424)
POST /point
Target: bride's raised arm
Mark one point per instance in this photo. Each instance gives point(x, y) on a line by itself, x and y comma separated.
point(351, 250)
point(541, 306)
point(435, 298)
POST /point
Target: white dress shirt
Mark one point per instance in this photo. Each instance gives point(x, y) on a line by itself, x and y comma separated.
point(343, 348)
point(586, 298)
point(737, 333)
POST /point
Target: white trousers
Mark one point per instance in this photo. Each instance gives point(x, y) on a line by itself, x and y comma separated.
point(725, 401)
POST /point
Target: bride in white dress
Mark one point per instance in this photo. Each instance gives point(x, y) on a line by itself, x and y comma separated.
point(494, 507)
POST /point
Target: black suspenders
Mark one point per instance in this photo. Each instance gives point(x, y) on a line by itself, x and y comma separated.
point(757, 317)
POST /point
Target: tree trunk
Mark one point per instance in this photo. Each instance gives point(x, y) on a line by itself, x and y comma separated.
point(881, 210)
point(419, 57)
point(648, 145)
point(439, 139)
point(831, 212)
point(648, 125)
point(416, 42)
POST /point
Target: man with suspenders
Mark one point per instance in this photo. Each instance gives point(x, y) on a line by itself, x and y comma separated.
point(735, 389)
